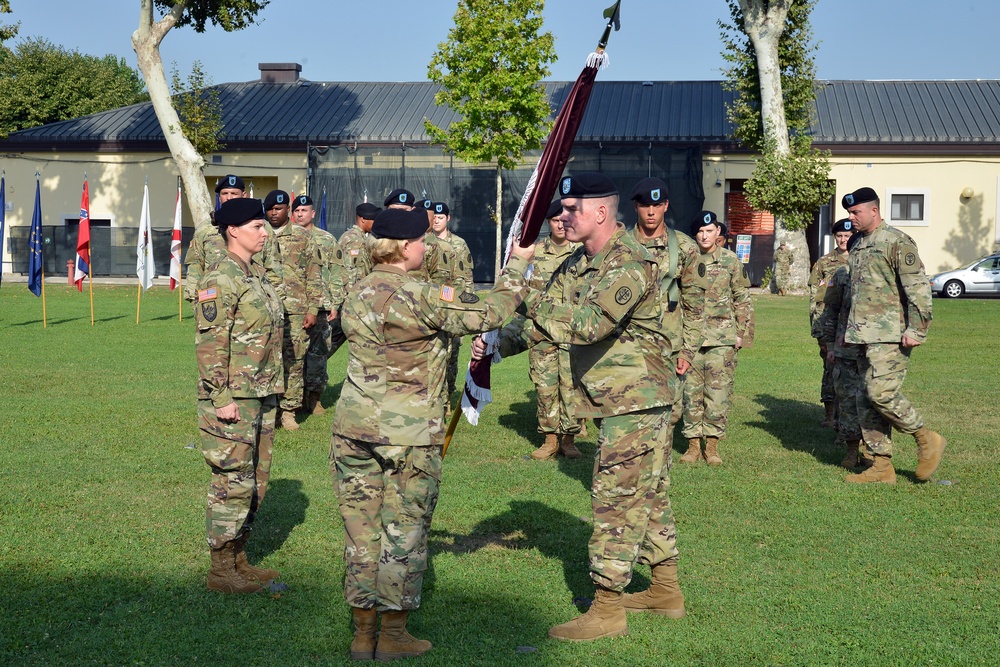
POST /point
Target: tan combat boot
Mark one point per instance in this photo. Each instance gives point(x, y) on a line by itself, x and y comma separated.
point(881, 471)
point(395, 642)
point(548, 449)
point(605, 618)
point(286, 420)
point(223, 575)
point(317, 403)
point(245, 569)
point(568, 446)
point(663, 596)
point(829, 419)
point(712, 451)
point(363, 646)
point(694, 451)
point(851, 460)
point(930, 447)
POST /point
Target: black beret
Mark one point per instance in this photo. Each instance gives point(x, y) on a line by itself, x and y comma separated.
point(704, 219)
point(723, 229)
point(238, 211)
point(302, 200)
point(229, 181)
point(275, 197)
point(367, 211)
point(400, 196)
point(425, 204)
point(587, 185)
point(859, 196)
point(440, 208)
point(650, 191)
point(395, 223)
point(555, 208)
point(844, 225)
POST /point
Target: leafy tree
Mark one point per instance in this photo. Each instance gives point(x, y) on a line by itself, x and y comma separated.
point(7, 31)
point(230, 15)
point(489, 69)
point(44, 83)
point(199, 109)
point(771, 69)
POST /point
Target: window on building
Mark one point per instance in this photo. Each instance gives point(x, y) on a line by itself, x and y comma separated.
point(908, 207)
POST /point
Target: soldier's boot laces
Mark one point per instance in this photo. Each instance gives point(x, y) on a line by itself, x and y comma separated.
point(851, 459)
point(930, 447)
point(881, 471)
point(694, 451)
point(548, 449)
point(287, 421)
point(223, 575)
point(605, 618)
point(568, 446)
point(829, 419)
point(394, 642)
point(363, 645)
point(712, 451)
point(248, 571)
point(663, 596)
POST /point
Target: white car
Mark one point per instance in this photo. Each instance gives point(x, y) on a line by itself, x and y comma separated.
point(979, 277)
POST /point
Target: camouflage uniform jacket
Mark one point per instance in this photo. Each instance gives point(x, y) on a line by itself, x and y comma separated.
point(300, 270)
point(607, 309)
point(208, 248)
point(783, 260)
point(239, 323)
point(890, 294)
point(332, 270)
point(819, 281)
point(436, 268)
point(357, 258)
point(833, 317)
point(683, 325)
point(398, 331)
point(728, 308)
point(461, 264)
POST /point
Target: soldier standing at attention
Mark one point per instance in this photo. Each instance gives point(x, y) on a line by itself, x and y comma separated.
point(388, 429)
point(604, 303)
point(354, 244)
point(889, 316)
point(208, 247)
point(239, 321)
point(300, 270)
point(728, 326)
point(783, 260)
point(325, 336)
point(460, 261)
point(819, 282)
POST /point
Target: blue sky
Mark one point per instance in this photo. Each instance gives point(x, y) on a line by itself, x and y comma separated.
point(663, 40)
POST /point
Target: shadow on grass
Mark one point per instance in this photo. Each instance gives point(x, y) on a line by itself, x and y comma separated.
point(795, 424)
point(523, 420)
point(50, 323)
point(283, 509)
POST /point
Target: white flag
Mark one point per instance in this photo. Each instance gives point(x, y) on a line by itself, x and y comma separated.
point(144, 267)
point(175, 244)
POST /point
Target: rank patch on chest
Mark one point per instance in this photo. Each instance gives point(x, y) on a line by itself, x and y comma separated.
point(623, 296)
point(206, 294)
point(447, 294)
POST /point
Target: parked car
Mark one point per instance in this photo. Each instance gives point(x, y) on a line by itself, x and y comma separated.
point(979, 277)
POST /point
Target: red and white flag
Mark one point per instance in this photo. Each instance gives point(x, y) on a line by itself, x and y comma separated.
point(81, 268)
point(175, 243)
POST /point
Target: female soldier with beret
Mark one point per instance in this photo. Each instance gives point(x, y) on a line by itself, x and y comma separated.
point(388, 429)
point(239, 332)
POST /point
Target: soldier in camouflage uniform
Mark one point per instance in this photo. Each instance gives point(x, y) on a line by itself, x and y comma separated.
point(728, 327)
point(239, 319)
point(208, 247)
point(459, 259)
point(783, 260)
point(300, 270)
point(819, 281)
point(604, 302)
point(388, 429)
point(889, 315)
point(354, 244)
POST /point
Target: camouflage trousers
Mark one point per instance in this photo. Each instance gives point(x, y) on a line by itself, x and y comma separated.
point(827, 390)
point(294, 345)
point(239, 455)
point(454, 345)
point(325, 338)
point(849, 385)
point(386, 495)
point(708, 392)
point(882, 405)
point(554, 394)
point(633, 520)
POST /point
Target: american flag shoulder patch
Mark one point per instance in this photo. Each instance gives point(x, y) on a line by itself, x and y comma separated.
point(355, 252)
point(447, 293)
point(206, 294)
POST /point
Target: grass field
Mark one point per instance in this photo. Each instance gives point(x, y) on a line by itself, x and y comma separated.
point(103, 557)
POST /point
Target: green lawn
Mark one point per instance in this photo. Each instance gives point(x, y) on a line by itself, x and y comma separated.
point(103, 557)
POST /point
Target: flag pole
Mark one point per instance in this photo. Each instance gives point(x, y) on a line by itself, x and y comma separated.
point(90, 282)
point(45, 321)
point(138, 301)
point(180, 298)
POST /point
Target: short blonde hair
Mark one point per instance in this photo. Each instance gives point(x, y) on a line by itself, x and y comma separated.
point(386, 251)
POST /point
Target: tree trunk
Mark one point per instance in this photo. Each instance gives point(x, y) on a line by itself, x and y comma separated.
point(146, 43)
point(499, 224)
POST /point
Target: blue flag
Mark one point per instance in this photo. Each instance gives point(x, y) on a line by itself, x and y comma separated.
point(3, 216)
point(35, 245)
point(322, 212)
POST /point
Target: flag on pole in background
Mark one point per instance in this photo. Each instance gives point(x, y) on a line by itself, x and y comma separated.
point(81, 268)
point(35, 243)
point(144, 267)
point(322, 213)
point(175, 243)
point(3, 213)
